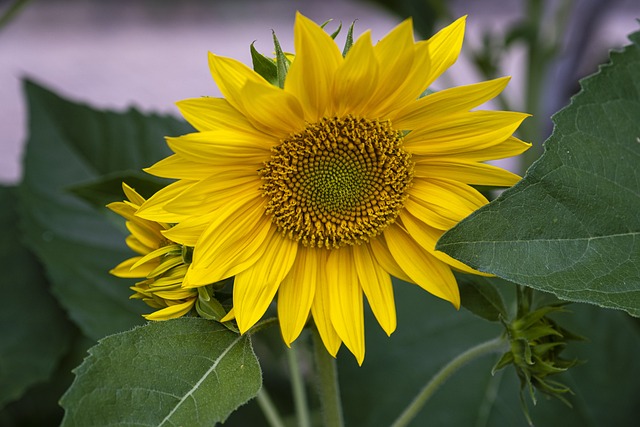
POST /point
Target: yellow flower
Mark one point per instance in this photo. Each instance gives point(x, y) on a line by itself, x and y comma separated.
point(160, 263)
point(323, 189)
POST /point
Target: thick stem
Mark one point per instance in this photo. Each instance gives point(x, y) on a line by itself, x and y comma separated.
point(269, 409)
point(297, 386)
point(328, 387)
point(441, 376)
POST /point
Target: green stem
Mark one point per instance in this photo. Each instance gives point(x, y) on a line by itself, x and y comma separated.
point(269, 409)
point(328, 387)
point(297, 385)
point(441, 376)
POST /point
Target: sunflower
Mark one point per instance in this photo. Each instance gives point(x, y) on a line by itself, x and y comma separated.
point(160, 262)
point(323, 189)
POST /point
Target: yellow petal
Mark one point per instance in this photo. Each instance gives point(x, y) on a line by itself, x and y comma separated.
point(175, 294)
point(231, 76)
point(446, 102)
point(424, 269)
point(232, 243)
point(213, 192)
point(207, 114)
point(384, 258)
point(172, 312)
point(137, 246)
point(432, 57)
point(321, 307)
point(296, 294)
point(356, 79)
point(188, 231)
point(427, 237)
point(260, 108)
point(463, 132)
point(125, 210)
point(395, 54)
point(310, 77)
point(229, 316)
point(178, 167)
point(512, 146)
point(132, 194)
point(153, 208)
point(443, 48)
point(347, 312)
point(442, 203)
point(124, 270)
point(221, 147)
point(145, 232)
point(255, 287)
point(157, 254)
point(467, 172)
point(376, 284)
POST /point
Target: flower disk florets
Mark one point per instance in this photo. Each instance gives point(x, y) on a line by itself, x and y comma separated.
point(338, 182)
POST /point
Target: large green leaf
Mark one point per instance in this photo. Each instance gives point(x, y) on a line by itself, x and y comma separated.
point(69, 145)
point(431, 332)
point(572, 225)
point(35, 330)
point(183, 372)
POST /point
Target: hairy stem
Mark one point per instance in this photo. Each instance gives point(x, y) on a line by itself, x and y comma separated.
point(328, 387)
point(297, 386)
point(488, 347)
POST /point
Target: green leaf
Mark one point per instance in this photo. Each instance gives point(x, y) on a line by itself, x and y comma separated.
point(71, 144)
point(35, 330)
point(186, 371)
point(481, 297)
point(571, 226)
point(264, 66)
point(431, 332)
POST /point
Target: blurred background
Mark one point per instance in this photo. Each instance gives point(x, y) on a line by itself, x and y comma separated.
point(151, 53)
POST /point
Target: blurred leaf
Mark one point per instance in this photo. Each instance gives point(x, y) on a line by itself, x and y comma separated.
point(481, 297)
point(71, 144)
point(39, 405)
point(35, 330)
point(571, 226)
point(108, 188)
point(430, 333)
point(186, 371)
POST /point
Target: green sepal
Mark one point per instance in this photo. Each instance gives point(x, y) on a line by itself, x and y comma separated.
point(282, 62)
point(208, 307)
point(537, 332)
point(527, 320)
point(187, 254)
point(349, 41)
point(336, 32)
point(264, 66)
point(502, 363)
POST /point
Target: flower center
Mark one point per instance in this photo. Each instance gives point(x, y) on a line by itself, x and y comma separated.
point(338, 182)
